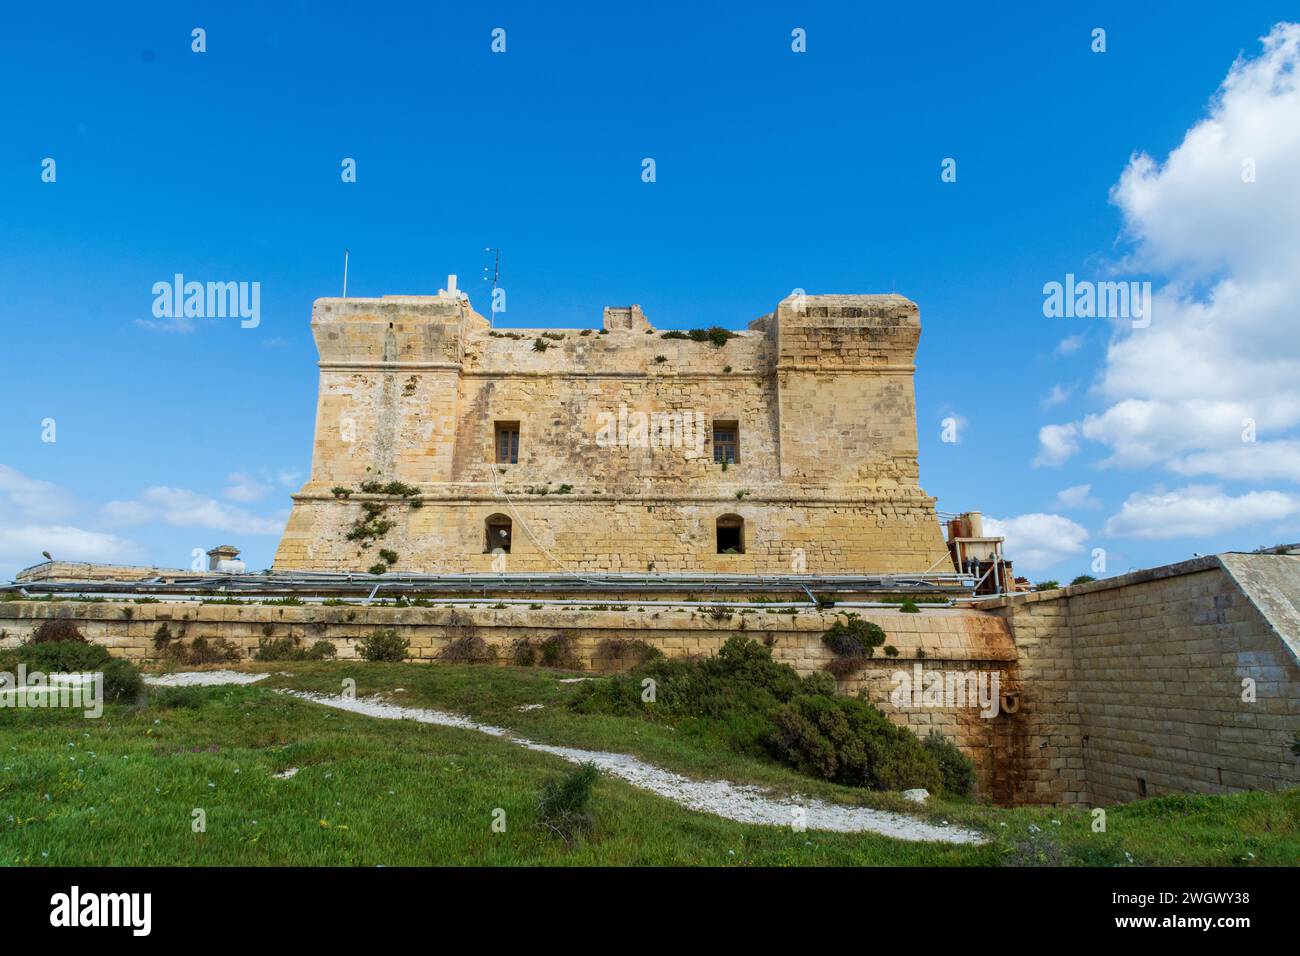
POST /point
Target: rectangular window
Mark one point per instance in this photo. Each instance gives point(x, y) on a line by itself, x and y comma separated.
point(507, 442)
point(726, 442)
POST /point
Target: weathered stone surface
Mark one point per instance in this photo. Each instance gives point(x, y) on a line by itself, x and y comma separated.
point(410, 389)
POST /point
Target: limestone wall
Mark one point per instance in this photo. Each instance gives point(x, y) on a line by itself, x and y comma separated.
point(1142, 684)
point(411, 389)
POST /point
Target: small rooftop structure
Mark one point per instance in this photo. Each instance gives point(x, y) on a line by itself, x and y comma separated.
point(225, 557)
point(629, 317)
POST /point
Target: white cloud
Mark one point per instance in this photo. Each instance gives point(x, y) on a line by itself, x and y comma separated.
point(1077, 496)
point(188, 509)
point(1197, 511)
point(1222, 345)
point(244, 487)
point(22, 545)
point(1056, 445)
point(33, 498)
point(178, 324)
point(1038, 541)
point(1070, 344)
point(1254, 461)
point(37, 515)
point(1056, 396)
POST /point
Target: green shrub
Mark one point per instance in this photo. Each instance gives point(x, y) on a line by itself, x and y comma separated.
point(848, 741)
point(63, 656)
point(1083, 579)
point(121, 679)
point(383, 645)
point(909, 607)
point(564, 807)
point(322, 650)
point(275, 649)
point(122, 682)
point(957, 770)
point(559, 650)
point(55, 630)
point(523, 652)
point(852, 641)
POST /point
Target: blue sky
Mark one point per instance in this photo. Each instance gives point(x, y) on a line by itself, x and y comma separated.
point(775, 170)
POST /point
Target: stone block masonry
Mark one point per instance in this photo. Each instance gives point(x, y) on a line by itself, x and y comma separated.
point(1182, 679)
point(502, 428)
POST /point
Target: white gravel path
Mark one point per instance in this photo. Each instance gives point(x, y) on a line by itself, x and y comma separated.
point(743, 803)
point(203, 678)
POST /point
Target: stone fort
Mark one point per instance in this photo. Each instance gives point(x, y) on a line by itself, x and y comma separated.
point(445, 447)
point(788, 446)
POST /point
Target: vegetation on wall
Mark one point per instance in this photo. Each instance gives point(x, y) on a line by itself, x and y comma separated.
point(715, 334)
point(853, 641)
point(756, 706)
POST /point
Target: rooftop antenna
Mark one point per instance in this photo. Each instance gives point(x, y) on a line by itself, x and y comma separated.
point(345, 273)
point(495, 269)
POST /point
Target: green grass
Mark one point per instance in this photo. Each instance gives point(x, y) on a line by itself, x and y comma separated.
point(121, 790)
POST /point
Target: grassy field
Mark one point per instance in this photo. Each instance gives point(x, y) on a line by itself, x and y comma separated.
point(123, 789)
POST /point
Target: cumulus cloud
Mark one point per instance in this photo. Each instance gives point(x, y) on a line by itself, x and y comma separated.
point(1038, 541)
point(1197, 511)
point(1056, 445)
point(1077, 496)
point(183, 508)
point(38, 515)
point(1256, 461)
point(1217, 220)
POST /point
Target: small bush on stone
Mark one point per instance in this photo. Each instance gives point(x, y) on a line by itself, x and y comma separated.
point(559, 650)
point(957, 770)
point(216, 651)
point(564, 807)
point(321, 651)
point(383, 645)
point(290, 649)
point(523, 652)
point(909, 607)
point(619, 653)
point(468, 649)
point(57, 629)
point(275, 649)
point(853, 641)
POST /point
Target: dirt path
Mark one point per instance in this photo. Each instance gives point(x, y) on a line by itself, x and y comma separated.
point(740, 802)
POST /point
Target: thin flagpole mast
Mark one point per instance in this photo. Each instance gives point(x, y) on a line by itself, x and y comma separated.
point(345, 273)
point(496, 276)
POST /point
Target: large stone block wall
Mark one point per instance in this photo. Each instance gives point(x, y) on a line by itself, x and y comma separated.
point(1135, 684)
point(411, 388)
point(556, 533)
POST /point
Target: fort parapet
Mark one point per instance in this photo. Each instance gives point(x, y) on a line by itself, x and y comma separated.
point(790, 446)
